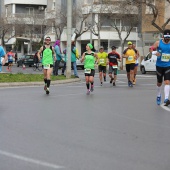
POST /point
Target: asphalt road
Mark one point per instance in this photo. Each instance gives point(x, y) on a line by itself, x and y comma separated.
point(114, 128)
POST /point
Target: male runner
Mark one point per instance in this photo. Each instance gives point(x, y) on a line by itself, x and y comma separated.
point(102, 62)
point(163, 66)
point(47, 61)
point(113, 57)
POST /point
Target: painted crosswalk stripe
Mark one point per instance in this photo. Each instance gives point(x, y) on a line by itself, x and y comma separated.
point(29, 160)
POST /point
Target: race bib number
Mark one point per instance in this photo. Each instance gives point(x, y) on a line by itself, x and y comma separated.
point(130, 58)
point(47, 66)
point(87, 71)
point(101, 61)
point(165, 57)
point(114, 66)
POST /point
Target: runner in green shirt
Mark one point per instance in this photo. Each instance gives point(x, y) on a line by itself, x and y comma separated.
point(48, 57)
point(89, 64)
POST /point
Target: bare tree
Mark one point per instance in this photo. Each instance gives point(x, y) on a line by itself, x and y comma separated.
point(80, 20)
point(7, 30)
point(127, 14)
point(157, 14)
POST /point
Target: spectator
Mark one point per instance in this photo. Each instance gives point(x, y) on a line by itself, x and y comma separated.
point(16, 57)
point(74, 56)
point(36, 59)
point(58, 57)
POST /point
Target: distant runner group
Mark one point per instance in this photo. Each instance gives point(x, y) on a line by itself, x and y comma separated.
point(103, 59)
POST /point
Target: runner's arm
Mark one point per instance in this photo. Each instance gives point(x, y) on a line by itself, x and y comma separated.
point(39, 52)
point(107, 60)
point(82, 59)
point(124, 54)
point(96, 56)
point(119, 58)
point(155, 46)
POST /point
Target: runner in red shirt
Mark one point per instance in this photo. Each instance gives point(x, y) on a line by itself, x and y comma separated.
point(113, 58)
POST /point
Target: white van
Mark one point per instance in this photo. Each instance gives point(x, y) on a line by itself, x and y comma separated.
point(148, 64)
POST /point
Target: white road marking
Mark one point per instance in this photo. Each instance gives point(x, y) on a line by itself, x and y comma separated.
point(165, 107)
point(33, 161)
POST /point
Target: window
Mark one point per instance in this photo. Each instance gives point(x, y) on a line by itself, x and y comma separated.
point(30, 10)
point(148, 8)
point(53, 5)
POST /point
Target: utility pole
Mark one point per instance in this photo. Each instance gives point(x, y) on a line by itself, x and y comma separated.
point(91, 41)
point(69, 29)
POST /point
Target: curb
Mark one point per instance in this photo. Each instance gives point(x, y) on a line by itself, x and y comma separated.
point(39, 83)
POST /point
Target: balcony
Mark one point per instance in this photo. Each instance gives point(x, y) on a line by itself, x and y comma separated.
point(37, 19)
point(105, 8)
point(31, 2)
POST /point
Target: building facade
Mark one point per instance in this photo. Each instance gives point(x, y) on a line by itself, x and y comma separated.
point(26, 19)
point(41, 18)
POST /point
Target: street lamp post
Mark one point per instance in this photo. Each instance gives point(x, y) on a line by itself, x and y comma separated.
point(69, 29)
point(91, 41)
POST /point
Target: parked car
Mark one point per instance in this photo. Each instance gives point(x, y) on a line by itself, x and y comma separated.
point(78, 63)
point(148, 64)
point(27, 60)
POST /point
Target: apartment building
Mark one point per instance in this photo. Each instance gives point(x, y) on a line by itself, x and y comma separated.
point(30, 16)
point(143, 33)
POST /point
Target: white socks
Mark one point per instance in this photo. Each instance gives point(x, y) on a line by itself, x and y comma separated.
point(166, 91)
point(158, 91)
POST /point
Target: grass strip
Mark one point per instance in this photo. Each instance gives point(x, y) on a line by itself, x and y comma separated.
point(20, 77)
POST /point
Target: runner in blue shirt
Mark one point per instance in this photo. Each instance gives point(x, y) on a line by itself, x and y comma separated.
point(3, 57)
point(163, 66)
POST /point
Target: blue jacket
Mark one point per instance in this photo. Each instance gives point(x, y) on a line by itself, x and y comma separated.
point(58, 53)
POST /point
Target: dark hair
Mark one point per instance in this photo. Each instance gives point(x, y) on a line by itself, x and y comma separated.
point(47, 38)
point(114, 47)
point(73, 43)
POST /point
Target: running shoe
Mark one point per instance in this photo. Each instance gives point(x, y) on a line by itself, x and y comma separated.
point(92, 88)
point(158, 100)
point(47, 91)
point(88, 92)
point(130, 84)
point(114, 84)
point(101, 83)
point(167, 102)
point(104, 78)
point(111, 80)
point(76, 76)
point(45, 87)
